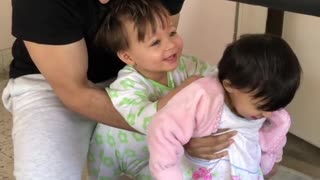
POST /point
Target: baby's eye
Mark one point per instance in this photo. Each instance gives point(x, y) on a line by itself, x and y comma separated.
point(156, 42)
point(173, 33)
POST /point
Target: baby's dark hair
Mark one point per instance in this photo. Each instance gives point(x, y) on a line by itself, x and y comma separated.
point(113, 35)
point(264, 65)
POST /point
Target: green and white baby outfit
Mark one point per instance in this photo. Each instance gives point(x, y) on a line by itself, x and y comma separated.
point(115, 151)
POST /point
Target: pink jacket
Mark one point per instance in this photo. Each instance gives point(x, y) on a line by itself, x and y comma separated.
point(196, 112)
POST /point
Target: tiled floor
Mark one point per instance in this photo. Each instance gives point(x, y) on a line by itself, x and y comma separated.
point(298, 154)
point(6, 154)
point(302, 156)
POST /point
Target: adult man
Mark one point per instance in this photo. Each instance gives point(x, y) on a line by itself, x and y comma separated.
point(52, 93)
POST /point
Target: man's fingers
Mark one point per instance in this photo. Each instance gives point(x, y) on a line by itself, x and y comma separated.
point(215, 156)
point(222, 130)
point(225, 136)
point(199, 142)
point(207, 147)
point(209, 151)
point(214, 142)
point(220, 147)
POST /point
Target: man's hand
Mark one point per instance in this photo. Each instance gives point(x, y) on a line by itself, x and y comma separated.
point(210, 147)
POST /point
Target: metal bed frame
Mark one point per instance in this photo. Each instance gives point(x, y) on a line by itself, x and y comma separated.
point(276, 10)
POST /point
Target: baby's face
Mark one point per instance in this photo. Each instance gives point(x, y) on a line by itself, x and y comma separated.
point(246, 105)
point(158, 53)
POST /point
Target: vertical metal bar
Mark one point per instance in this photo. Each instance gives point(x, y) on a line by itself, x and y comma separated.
point(274, 22)
point(236, 21)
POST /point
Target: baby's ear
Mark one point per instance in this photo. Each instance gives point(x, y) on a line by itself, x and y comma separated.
point(227, 85)
point(125, 57)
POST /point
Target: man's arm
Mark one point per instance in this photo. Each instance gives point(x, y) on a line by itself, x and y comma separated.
point(65, 68)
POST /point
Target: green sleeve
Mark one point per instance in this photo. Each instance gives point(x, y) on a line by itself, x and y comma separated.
point(194, 66)
point(132, 96)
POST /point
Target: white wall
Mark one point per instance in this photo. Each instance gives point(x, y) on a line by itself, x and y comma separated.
point(206, 27)
point(251, 19)
point(6, 39)
point(303, 34)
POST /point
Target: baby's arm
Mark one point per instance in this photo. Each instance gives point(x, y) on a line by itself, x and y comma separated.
point(136, 99)
point(194, 69)
point(192, 112)
point(164, 99)
point(195, 66)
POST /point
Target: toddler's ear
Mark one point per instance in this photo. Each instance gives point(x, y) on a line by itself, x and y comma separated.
point(227, 86)
point(125, 57)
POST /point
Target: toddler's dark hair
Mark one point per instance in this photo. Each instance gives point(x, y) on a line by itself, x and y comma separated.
point(265, 65)
point(112, 33)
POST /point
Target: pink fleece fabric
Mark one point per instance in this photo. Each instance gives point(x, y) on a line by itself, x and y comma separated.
point(196, 112)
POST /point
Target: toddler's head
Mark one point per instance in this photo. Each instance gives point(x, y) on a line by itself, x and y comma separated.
point(142, 35)
point(260, 74)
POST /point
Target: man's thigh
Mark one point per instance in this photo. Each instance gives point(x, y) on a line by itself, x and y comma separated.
point(50, 142)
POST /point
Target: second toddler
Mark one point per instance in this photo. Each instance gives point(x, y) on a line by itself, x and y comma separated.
point(258, 76)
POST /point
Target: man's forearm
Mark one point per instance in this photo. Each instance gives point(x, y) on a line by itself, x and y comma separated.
point(95, 104)
point(65, 68)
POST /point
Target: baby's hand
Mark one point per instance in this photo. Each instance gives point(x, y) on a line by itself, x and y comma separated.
point(194, 77)
point(191, 79)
